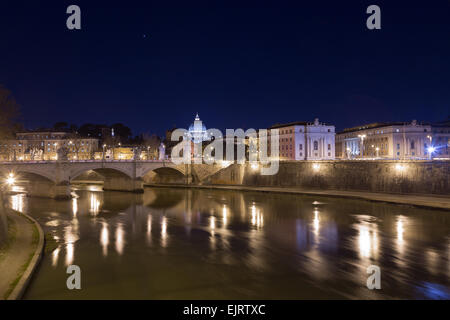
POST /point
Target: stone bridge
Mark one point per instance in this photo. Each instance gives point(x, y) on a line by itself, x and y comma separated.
point(53, 178)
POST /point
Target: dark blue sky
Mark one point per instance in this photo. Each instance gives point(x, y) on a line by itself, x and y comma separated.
point(237, 63)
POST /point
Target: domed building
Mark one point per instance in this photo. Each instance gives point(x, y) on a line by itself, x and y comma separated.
point(197, 131)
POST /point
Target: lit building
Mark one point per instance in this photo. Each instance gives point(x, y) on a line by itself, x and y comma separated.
point(397, 140)
point(46, 146)
point(441, 139)
point(305, 141)
point(197, 131)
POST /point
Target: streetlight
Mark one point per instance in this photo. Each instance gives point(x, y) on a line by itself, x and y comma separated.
point(377, 149)
point(103, 157)
point(348, 153)
point(11, 180)
point(362, 136)
point(430, 151)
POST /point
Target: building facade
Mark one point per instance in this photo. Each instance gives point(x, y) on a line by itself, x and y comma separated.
point(29, 146)
point(306, 141)
point(441, 139)
point(397, 140)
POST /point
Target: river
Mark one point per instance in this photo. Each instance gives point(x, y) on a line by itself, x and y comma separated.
point(175, 243)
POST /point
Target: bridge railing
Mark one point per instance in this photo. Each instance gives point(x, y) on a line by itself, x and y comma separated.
point(82, 161)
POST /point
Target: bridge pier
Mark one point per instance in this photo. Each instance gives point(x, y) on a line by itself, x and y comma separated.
point(124, 184)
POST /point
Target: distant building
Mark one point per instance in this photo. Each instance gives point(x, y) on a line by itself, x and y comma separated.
point(45, 145)
point(441, 139)
point(197, 131)
point(398, 140)
point(306, 141)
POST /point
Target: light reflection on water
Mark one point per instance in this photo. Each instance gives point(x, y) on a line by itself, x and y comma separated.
point(177, 243)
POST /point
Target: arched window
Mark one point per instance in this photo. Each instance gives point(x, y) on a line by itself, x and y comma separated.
point(316, 146)
point(412, 144)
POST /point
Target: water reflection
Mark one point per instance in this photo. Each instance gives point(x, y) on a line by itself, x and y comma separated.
point(367, 238)
point(104, 238)
point(75, 206)
point(224, 215)
point(17, 202)
point(164, 235)
point(149, 229)
point(70, 237)
point(120, 238)
point(55, 256)
point(257, 217)
point(95, 203)
point(261, 245)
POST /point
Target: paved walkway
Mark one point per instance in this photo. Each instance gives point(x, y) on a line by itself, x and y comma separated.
point(16, 257)
point(427, 201)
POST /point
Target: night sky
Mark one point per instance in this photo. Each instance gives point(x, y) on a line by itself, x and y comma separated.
point(240, 64)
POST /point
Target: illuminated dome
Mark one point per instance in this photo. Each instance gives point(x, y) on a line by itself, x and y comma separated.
point(197, 131)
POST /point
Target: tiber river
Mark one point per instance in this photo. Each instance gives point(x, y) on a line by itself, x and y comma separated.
point(174, 243)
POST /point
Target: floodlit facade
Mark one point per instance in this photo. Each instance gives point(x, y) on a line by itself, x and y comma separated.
point(46, 145)
point(306, 141)
point(398, 140)
point(441, 139)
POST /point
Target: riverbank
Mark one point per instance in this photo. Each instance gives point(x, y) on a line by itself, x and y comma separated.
point(422, 201)
point(20, 256)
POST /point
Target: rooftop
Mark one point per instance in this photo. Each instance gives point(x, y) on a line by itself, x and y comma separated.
point(381, 125)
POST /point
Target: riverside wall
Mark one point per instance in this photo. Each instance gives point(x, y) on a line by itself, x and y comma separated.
point(405, 177)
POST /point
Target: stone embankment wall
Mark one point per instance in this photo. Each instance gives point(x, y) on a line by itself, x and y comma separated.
point(418, 177)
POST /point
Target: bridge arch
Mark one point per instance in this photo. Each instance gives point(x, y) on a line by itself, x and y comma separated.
point(161, 168)
point(103, 171)
point(164, 175)
point(23, 171)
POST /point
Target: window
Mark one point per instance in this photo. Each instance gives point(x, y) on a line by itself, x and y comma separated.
point(300, 146)
point(316, 145)
point(412, 145)
point(329, 146)
point(398, 146)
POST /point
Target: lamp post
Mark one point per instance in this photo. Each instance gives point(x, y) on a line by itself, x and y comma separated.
point(148, 153)
point(103, 156)
point(362, 136)
point(378, 151)
point(348, 153)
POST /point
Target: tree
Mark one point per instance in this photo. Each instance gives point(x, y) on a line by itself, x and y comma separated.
point(151, 144)
point(9, 112)
point(122, 132)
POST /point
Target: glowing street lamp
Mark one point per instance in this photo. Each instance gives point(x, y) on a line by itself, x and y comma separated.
point(254, 166)
point(11, 180)
point(103, 156)
point(430, 150)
